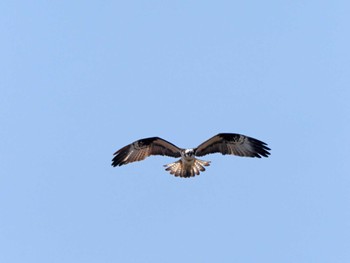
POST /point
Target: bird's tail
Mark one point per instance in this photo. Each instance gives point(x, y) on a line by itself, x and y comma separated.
point(186, 170)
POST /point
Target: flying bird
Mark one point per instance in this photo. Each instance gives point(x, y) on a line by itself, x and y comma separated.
point(189, 165)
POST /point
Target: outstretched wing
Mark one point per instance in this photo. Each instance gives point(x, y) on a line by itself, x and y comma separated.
point(143, 148)
point(235, 144)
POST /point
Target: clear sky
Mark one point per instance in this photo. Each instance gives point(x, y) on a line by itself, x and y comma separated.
point(81, 79)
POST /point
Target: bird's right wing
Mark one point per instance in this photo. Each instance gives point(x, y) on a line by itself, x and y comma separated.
point(141, 149)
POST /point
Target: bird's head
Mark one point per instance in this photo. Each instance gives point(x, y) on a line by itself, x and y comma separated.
point(189, 153)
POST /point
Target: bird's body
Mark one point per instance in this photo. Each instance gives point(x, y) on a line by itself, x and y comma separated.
point(189, 165)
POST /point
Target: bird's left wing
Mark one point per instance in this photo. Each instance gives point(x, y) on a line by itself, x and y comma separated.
point(235, 144)
point(143, 148)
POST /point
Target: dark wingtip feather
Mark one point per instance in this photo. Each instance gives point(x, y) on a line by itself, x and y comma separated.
point(260, 148)
point(120, 155)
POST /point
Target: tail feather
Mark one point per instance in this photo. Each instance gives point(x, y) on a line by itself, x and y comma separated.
point(179, 168)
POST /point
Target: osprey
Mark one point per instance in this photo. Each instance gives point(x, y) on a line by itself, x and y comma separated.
point(189, 165)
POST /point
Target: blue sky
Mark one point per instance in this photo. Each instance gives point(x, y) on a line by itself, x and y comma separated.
point(81, 79)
